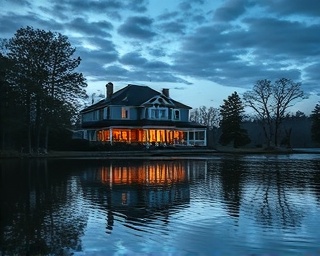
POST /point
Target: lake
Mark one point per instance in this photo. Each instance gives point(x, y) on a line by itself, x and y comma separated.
point(219, 205)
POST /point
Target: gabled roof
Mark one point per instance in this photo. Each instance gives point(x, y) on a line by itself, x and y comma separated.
point(133, 95)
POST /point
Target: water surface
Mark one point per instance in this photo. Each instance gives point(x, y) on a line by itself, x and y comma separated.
point(223, 205)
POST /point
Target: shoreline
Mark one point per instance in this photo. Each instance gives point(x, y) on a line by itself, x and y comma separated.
point(158, 153)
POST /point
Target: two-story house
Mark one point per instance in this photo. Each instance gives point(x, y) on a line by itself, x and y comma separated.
point(139, 114)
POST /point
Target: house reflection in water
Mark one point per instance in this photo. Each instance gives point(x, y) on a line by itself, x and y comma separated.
point(139, 189)
point(150, 185)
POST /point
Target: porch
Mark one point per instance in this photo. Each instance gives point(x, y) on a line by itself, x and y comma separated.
point(149, 136)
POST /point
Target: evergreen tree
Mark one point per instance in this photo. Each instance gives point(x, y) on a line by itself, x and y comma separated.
point(46, 82)
point(232, 115)
point(315, 128)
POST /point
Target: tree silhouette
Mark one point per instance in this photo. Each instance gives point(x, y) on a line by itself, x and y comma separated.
point(271, 101)
point(232, 115)
point(315, 128)
point(206, 116)
point(44, 78)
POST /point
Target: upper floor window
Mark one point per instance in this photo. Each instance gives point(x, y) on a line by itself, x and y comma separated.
point(158, 113)
point(176, 114)
point(95, 115)
point(124, 113)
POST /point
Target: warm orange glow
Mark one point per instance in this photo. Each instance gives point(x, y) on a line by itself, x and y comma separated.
point(124, 113)
point(160, 173)
point(103, 135)
point(142, 136)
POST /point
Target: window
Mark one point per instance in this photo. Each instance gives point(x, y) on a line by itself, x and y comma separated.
point(124, 113)
point(100, 114)
point(158, 113)
point(95, 115)
point(176, 114)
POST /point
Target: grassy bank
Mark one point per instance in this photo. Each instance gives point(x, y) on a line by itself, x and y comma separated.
point(172, 152)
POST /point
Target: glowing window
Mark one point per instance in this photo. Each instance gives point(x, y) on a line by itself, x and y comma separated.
point(124, 113)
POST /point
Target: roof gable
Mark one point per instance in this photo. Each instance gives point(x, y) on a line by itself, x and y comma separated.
point(136, 95)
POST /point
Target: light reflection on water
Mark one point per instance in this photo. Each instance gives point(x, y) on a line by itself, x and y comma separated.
point(224, 205)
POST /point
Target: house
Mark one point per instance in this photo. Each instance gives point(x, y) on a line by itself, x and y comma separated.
point(141, 115)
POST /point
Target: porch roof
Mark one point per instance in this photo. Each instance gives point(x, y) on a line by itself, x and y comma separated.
point(141, 124)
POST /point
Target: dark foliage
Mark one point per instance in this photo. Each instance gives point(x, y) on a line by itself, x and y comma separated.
point(315, 128)
point(232, 115)
point(40, 88)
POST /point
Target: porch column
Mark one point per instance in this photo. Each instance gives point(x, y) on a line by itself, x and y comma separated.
point(205, 137)
point(188, 138)
point(110, 131)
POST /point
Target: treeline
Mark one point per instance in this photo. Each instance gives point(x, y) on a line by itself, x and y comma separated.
point(270, 102)
point(40, 89)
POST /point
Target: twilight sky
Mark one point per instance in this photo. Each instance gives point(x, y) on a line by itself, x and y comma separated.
point(202, 50)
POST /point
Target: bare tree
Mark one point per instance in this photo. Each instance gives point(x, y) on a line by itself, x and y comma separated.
point(270, 101)
point(206, 116)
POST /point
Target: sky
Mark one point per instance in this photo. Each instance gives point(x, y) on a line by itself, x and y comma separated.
point(201, 50)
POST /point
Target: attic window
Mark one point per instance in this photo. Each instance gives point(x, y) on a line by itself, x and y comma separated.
point(176, 114)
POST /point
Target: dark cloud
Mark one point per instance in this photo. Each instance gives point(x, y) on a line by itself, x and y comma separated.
point(312, 74)
point(138, 27)
point(75, 6)
point(168, 15)
point(137, 62)
point(98, 28)
point(189, 5)
point(142, 70)
point(104, 45)
point(137, 5)
point(232, 42)
point(295, 39)
point(16, 3)
point(133, 59)
point(173, 27)
point(11, 22)
point(158, 51)
point(288, 7)
point(157, 65)
point(230, 10)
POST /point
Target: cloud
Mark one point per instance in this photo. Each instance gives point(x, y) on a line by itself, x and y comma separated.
point(291, 38)
point(133, 59)
point(137, 27)
point(137, 5)
point(98, 28)
point(173, 27)
point(289, 7)
point(168, 16)
point(232, 42)
point(230, 10)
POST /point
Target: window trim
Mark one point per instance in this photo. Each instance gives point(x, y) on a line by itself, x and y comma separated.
point(125, 113)
point(158, 110)
point(174, 116)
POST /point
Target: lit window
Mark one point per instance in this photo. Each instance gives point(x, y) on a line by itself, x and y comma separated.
point(124, 113)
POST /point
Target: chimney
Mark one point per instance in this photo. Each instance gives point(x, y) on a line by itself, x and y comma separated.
point(109, 90)
point(165, 92)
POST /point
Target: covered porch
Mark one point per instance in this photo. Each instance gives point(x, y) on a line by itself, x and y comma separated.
point(156, 136)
